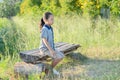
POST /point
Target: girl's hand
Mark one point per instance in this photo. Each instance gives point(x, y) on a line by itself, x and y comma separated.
point(53, 53)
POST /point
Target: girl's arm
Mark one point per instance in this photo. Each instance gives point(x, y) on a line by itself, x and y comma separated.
point(48, 46)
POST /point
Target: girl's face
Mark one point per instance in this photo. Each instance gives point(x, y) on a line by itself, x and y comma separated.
point(50, 20)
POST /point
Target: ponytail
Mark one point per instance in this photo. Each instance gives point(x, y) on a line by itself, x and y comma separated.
point(41, 23)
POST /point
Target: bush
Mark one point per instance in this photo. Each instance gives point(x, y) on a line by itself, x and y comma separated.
point(11, 37)
point(9, 8)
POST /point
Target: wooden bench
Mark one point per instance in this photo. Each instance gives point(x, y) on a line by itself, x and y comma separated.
point(33, 61)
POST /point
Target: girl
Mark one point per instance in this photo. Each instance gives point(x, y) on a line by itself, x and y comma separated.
point(47, 41)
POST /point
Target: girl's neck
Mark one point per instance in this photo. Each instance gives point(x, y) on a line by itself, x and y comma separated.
point(47, 24)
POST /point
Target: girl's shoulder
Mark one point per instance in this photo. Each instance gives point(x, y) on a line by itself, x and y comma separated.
point(44, 28)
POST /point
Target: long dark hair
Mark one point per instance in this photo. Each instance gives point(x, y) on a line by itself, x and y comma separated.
point(46, 15)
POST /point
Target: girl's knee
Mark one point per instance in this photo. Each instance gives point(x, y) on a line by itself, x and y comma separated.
point(58, 59)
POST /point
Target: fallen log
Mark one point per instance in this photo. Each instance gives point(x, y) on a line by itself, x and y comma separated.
point(28, 68)
point(23, 68)
point(34, 56)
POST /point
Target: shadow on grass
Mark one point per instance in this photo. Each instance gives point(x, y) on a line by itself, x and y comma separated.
point(95, 68)
point(78, 57)
point(82, 67)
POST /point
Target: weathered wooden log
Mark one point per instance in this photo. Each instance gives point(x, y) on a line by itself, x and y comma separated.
point(34, 56)
point(28, 68)
point(23, 68)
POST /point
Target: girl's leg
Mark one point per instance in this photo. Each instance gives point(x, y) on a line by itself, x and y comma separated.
point(59, 56)
point(55, 62)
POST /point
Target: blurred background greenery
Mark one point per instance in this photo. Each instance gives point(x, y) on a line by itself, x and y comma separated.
point(93, 8)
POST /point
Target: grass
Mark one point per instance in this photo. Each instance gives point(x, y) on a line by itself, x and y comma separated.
point(97, 59)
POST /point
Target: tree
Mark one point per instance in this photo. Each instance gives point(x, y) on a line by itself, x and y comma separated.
point(9, 8)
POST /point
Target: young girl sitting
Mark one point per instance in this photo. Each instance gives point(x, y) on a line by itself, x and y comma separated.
point(47, 46)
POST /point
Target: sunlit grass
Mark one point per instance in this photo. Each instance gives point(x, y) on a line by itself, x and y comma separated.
point(99, 40)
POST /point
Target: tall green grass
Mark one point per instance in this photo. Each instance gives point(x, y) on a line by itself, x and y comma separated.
point(22, 33)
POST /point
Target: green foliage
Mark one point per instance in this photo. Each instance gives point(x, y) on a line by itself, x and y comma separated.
point(58, 7)
point(9, 8)
point(115, 7)
point(74, 7)
point(10, 36)
point(53, 6)
point(23, 34)
point(4, 67)
point(61, 7)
